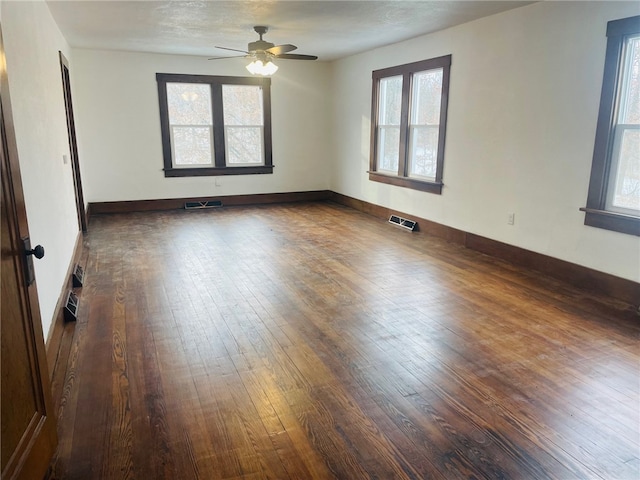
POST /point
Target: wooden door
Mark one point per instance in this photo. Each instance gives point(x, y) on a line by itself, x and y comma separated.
point(28, 424)
point(73, 144)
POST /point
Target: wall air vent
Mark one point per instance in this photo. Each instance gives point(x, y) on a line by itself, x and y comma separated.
point(71, 307)
point(78, 276)
point(205, 204)
point(403, 222)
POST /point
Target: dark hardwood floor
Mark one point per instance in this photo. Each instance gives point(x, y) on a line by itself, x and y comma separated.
point(310, 341)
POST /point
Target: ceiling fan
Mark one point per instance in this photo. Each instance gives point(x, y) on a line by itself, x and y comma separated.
point(262, 52)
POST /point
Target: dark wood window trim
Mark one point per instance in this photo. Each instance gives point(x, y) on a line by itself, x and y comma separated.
point(407, 182)
point(216, 83)
point(402, 179)
point(596, 214)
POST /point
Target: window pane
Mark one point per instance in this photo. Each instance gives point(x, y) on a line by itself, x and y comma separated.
point(626, 177)
point(242, 105)
point(389, 109)
point(630, 95)
point(425, 97)
point(191, 146)
point(190, 121)
point(390, 101)
point(423, 155)
point(244, 145)
point(426, 93)
point(189, 103)
point(388, 148)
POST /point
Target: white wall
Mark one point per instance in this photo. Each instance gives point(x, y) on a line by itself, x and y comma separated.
point(32, 41)
point(524, 95)
point(118, 126)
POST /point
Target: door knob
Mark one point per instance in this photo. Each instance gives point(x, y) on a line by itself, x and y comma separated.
point(29, 253)
point(37, 252)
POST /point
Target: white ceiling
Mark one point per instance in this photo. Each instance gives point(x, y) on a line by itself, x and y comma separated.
point(328, 29)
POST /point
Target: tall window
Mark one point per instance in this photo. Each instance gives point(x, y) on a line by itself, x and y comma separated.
point(215, 125)
point(409, 116)
point(614, 190)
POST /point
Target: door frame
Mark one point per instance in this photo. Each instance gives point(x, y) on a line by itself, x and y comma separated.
point(73, 144)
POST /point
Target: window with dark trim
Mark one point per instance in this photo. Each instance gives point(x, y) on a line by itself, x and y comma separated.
point(215, 125)
point(408, 123)
point(613, 201)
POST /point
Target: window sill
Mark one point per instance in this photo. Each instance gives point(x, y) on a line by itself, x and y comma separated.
point(617, 222)
point(423, 186)
point(211, 172)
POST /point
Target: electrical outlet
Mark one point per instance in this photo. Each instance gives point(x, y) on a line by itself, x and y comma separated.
point(218, 181)
point(511, 219)
point(65, 159)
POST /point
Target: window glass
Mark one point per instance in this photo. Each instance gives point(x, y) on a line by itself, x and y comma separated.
point(630, 111)
point(191, 145)
point(625, 188)
point(423, 152)
point(244, 145)
point(388, 148)
point(242, 105)
point(390, 101)
point(189, 103)
point(425, 104)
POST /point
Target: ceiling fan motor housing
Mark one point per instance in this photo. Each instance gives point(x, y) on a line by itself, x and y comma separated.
point(259, 45)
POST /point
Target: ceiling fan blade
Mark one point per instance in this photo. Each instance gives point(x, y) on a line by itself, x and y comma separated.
point(233, 49)
point(222, 58)
point(296, 56)
point(280, 49)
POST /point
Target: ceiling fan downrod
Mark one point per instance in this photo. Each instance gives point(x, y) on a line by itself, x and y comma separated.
point(261, 30)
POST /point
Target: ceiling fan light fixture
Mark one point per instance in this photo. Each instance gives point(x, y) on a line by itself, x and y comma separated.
point(258, 67)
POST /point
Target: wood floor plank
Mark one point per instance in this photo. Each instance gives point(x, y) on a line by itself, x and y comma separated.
point(311, 341)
